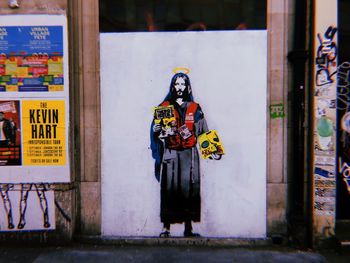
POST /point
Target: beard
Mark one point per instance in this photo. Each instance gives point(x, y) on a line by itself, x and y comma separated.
point(180, 94)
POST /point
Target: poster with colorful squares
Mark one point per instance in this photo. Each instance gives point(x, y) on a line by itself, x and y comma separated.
point(31, 58)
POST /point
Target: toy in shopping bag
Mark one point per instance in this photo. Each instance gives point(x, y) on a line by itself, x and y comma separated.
point(211, 145)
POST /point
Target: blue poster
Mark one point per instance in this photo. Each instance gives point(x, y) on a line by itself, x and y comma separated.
point(31, 58)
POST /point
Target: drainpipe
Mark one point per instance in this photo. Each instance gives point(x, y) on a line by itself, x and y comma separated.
point(299, 126)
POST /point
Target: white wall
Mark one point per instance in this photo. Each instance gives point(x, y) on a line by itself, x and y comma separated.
point(228, 77)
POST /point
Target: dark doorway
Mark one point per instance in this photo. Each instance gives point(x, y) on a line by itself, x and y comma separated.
point(181, 15)
point(343, 118)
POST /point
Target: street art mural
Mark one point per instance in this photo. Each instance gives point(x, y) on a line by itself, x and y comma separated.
point(190, 121)
point(176, 156)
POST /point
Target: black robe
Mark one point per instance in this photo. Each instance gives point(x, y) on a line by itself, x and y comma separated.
point(180, 177)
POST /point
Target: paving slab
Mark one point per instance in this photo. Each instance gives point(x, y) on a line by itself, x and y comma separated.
point(151, 254)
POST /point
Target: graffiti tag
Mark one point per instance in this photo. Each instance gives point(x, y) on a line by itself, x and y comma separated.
point(344, 170)
point(326, 55)
point(343, 86)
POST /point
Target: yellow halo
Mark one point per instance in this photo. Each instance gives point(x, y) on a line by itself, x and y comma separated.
point(181, 70)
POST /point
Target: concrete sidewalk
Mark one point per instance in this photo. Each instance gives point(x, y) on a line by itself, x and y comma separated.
point(152, 254)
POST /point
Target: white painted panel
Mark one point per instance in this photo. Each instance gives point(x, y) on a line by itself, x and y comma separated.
point(228, 77)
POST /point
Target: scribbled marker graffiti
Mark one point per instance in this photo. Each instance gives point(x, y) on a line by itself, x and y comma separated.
point(344, 170)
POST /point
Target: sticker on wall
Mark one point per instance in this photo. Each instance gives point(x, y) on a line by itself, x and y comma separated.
point(324, 105)
point(277, 111)
point(323, 173)
point(324, 194)
point(325, 131)
point(325, 161)
point(324, 190)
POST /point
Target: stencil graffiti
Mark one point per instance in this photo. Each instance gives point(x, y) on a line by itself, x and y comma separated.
point(326, 55)
point(40, 191)
point(7, 203)
point(19, 196)
point(177, 126)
